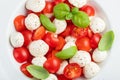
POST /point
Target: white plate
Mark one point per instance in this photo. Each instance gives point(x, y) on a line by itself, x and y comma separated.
point(9, 68)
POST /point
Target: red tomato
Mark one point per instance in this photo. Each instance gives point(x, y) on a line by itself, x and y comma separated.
point(83, 44)
point(95, 40)
point(62, 77)
point(79, 32)
point(51, 39)
point(39, 33)
point(89, 32)
point(27, 37)
point(88, 9)
point(72, 71)
point(19, 23)
point(24, 70)
point(49, 7)
point(52, 65)
point(61, 43)
point(58, 1)
point(21, 54)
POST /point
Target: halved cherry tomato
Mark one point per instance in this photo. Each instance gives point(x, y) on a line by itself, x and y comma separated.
point(62, 77)
point(95, 40)
point(89, 33)
point(27, 37)
point(52, 65)
point(72, 71)
point(21, 54)
point(39, 33)
point(61, 43)
point(19, 23)
point(49, 7)
point(88, 9)
point(83, 44)
point(24, 70)
point(58, 1)
point(51, 39)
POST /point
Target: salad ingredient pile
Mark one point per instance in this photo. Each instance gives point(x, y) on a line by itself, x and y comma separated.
point(60, 40)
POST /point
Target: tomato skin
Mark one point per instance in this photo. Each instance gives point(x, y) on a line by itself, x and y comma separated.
point(62, 77)
point(39, 33)
point(58, 1)
point(83, 44)
point(49, 7)
point(89, 33)
point(72, 71)
point(95, 40)
point(51, 40)
point(27, 37)
point(52, 65)
point(21, 54)
point(88, 9)
point(24, 70)
point(19, 23)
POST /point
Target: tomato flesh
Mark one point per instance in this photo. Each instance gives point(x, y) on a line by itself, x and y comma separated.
point(49, 7)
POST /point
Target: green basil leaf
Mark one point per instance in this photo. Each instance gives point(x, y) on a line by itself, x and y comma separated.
point(47, 23)
point(37, 71)
point(81, 19)
point(69, 16)
point(75, 10)
point(106, 41)
point(67, 53)
point(61, 10)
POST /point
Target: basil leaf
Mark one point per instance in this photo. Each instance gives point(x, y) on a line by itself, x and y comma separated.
point(81, 19)
point(47, 23)
point(106, 41)
point(67, 53)
point(61, 10)
point(75, 10)
point(37, 71)
point(69, 16)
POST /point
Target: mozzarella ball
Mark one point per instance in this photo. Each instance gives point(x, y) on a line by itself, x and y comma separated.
point(91, 70)
point(81, 57)
point(62, 66)
point(99, 56)
point(39, 61)
point(38, 48)
point(51, 77)
point(68, 45)
point(78, 3)
point(35, 5)
point(17, 39)
point(70, 39)
point(97, 25)
point(32, 21)
point(60, 25)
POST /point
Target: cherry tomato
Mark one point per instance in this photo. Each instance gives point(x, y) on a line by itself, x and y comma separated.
point(39, 33)
point(62, 77)
point(24, 70)
point(27, 37)
point(52, 65)
point(88, 9)
point(89, 32)
point(21, 54)
point(61, 43)
point(83, 44)
point(49, 7)
point(58, 1)
point(95, 40)
point(72, 71)
point(79, 32)
point(51, 39)
point(19, 23)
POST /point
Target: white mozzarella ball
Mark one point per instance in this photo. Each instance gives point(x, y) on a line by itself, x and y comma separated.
point(60, 25)
point(91, 70)
point(32, 21)
point(99, 56)
point(39, 61)
point(51, 77)
point(35, 5)
point(17, 39)
point(78, 3)
point(69, 44)
point(38, 48)
point(62, 66)
point(97, 25)
point(81, 57)
point(70, 39)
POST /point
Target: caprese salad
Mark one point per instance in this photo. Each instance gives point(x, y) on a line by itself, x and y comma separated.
point(60, 40)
